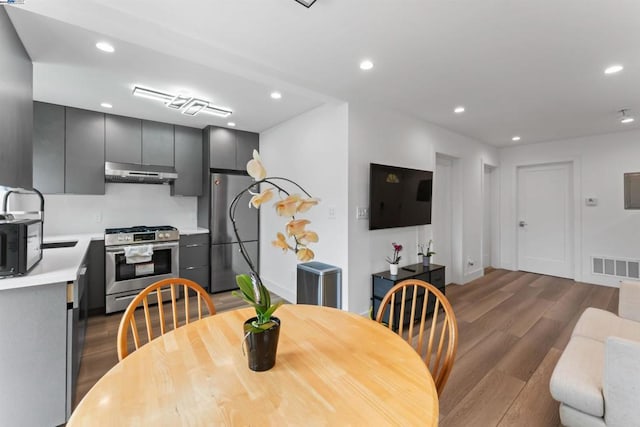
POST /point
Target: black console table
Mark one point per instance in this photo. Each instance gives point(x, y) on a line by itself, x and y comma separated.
point(383, 281)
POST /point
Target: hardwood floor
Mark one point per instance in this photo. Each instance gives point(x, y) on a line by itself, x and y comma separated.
point(99, 354)
point(512, 326)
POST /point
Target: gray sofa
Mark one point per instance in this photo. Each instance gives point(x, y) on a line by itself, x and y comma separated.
point(597, 379)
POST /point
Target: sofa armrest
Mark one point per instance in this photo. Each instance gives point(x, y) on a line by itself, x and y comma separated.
point(621, 382)
point(629, 301)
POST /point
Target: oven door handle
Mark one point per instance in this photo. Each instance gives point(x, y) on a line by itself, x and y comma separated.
point(154, 246)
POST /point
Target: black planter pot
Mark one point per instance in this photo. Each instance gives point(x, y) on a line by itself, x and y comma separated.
point(262, 346)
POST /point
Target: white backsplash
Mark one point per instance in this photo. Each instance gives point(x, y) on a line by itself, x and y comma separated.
point(123, 205)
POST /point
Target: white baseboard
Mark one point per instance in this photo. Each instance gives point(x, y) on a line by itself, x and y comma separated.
point(285, 293)
point(473, 275)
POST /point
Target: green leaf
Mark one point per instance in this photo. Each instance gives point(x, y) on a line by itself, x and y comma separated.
point(273, 308)
point(245, 285)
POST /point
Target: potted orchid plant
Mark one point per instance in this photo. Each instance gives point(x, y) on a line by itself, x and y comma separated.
point(426, 253)
point(395, 259)
point(262, 331)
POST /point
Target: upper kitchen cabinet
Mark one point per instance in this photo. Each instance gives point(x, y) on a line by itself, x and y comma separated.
point(188, 162)
point(230, 149)
point(123, 139)
point(48, 148)
point(246, 142)
point(16, 110)
point(84, 153)
point(157, 143)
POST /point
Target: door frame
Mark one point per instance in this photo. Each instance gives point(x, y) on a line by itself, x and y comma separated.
point(576, 187)
point(495, 209)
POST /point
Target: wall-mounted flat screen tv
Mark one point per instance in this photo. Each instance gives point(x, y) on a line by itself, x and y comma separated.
point(399, 197)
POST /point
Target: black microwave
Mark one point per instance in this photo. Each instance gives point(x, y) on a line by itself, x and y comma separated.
point(20, 246)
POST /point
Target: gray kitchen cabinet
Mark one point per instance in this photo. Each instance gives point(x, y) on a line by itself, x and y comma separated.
point(188, 162)
point(231, 149)
point(96, 285)
point(223, 148)
point(194, 258)
point(84, 152)
point(246, 142)
point(157, 143)
point(16, 110)
point(48, 147)
point(123, 139)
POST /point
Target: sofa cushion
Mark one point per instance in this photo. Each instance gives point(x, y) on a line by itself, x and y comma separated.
point(599, 324)
point(572, 418)
point(577, 378)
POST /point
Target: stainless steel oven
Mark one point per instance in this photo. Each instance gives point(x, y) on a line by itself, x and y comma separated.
point(135, 258)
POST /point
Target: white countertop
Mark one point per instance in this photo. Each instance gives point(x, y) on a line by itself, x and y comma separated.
point(189, 231)
point(57, 264)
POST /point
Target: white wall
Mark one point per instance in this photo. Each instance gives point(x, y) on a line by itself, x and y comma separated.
point(388, 137)
point(599, 162)
point(310, 149)
point(123, 205)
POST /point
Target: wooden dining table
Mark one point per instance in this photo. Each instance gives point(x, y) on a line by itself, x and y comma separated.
point(332, 368)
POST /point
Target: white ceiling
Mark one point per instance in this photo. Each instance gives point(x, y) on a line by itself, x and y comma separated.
point(528, 68)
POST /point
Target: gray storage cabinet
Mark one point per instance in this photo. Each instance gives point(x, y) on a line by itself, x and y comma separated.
point(123, 139)
point(319, 284)
point(48, 148)
point(231, 149)
point(188, 159)
point(84, 152)
point(194, 258)
point(157, 143)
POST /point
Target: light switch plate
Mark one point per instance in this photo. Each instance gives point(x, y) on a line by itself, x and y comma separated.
point(362, 213)
point(591, 201)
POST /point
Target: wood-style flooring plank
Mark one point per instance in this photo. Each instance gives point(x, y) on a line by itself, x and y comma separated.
point(487, 402)
point(534, 406)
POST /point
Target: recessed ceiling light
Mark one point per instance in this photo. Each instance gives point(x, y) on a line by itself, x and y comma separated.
point(232, 124)
point(106, 105)
point(459, 110)
point(105, 47)
point(515, 138)
point(627, 120)
point(276, 95)
point(366, 65)
point(613, 69)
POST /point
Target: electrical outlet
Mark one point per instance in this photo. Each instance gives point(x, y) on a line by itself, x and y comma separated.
point(471, 262)
point(98, 217)
point(362, 213)
point(332, 212)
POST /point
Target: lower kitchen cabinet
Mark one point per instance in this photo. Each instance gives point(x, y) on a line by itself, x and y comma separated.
point(382, 282)
point(194, 258)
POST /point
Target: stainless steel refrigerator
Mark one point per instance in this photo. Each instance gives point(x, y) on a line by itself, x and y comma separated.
point(226, 260)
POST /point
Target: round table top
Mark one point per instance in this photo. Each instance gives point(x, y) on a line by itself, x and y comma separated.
point(332, 368)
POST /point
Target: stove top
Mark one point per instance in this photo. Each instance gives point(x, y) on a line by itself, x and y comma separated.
point(140, 229)
point(141, 234)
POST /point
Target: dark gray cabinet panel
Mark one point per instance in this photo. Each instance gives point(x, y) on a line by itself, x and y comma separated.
point(246, 142)
point(16, 110)
point(157, 143)
point(188, 162)
point(194, 258)
point(84, 153)
point(123, 139)
point(223, 148)
point(48, 148)
point(96, 284)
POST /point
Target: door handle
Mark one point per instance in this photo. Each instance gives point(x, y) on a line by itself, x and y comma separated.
point(522, 224)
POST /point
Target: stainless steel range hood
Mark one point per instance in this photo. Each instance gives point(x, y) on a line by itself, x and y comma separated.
point(130, 172)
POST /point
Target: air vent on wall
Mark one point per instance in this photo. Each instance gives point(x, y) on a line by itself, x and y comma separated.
point(616, 267)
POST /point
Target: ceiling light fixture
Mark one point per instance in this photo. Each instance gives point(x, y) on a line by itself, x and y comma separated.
point(106, 105)
point(188, 105)
point(613, 69)
point(366, 65)
point(515, 138)
point(276, 95)
point(306, 3)
point(105, 47)
point(624, 118)
point(459, 110)
point(232, 124)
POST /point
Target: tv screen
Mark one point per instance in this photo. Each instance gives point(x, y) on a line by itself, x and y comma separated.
point(399, 197)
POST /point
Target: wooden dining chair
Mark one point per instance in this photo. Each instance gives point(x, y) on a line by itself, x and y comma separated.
point(152, 294)
point(406, 309)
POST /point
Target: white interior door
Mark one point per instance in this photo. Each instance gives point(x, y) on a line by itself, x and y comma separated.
point(487, 217)
point(442, 215)
point(545, 218)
